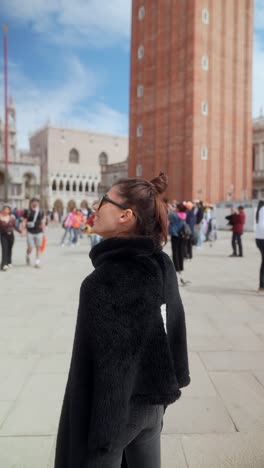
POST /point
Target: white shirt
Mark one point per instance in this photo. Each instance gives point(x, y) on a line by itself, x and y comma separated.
point(260, 224)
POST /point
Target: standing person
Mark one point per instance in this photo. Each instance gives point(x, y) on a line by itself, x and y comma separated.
point(238, 220)
point(191, 221)
point(177, 241)
point(95, 238)
point(34, 223)
point(199, 223)
point(129, 356)
point(7, 227)
point(68, 226)
point(260, 241)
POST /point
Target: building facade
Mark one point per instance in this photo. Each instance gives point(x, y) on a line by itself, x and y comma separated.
point(191, 96)
point(258, 157)
point(110, 173)
point(23, 167)
point(70, 162)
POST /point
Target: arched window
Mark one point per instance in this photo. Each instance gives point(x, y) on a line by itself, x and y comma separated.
point(74, 186)
point(74, 156)
point(80, 187)
point(54, 186)
point(93, 187)
point(103, 159)
point(68, 186)
point(86, 187)
point(61, 186)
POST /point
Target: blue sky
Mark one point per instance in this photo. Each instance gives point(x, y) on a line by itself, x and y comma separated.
point(69, 63)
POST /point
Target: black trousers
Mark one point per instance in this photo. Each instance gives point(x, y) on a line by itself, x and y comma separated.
point(260, 245)
point(7, 242)
point(178, 251)
point(189, 249)
point(139, 442)
point(236, 240)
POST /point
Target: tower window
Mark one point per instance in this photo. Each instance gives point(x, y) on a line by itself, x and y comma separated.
point(204, 153)
point(139, 170)
point(141, 52)
point(141, 13)
point(205, 16)
point(205, 62)
point(140, 91)
point(204, 108)
point(139, 131)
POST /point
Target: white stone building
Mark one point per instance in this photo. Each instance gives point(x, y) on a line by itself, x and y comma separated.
point(23, 167)
point(71, 164)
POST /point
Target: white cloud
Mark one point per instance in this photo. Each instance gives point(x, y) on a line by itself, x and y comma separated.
point(81, 22)
point(103, 119)
point(62, 106)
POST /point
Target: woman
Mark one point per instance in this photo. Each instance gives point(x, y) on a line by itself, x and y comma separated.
point(7, 226)
point(176, 226)
point(260, 241)
point(129, 357)
point(68, 226)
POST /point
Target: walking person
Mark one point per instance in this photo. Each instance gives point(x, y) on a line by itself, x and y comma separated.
point(7, 227)
point(34, 224)
point(260, 241)
point(129, 357)
point(238, 221)
point(68, 226)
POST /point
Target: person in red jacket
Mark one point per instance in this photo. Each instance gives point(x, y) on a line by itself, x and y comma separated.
point(238, 222)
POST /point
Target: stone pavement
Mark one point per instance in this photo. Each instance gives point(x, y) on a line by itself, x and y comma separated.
point(218, 422)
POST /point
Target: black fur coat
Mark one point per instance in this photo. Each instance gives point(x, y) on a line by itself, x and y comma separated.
point(125, 349)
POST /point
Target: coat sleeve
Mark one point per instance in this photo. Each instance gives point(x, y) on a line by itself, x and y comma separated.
point(117, 329)
point(176, 327)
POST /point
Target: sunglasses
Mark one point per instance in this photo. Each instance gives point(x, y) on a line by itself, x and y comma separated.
point(106, 199)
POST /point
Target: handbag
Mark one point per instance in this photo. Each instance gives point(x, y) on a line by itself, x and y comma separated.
point(43, 244)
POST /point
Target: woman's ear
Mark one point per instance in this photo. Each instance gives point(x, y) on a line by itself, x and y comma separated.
point(127, 215)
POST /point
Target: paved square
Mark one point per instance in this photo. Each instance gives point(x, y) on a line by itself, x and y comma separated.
point(218, 422)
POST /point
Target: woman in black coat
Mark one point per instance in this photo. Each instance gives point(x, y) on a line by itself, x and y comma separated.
point(129, 357)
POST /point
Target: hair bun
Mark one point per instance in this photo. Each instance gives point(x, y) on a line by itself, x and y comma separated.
point(160, 183)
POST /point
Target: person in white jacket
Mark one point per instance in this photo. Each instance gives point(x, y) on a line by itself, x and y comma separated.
point(260, 241)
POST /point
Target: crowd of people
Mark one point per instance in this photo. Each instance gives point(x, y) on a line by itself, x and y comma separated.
point(30, 223)
point(190, 224)
point(78, 223)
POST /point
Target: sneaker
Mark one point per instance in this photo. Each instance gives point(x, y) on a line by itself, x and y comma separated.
point(37, 264)
point(10, 265)
point(28, 260)
point(5, 268)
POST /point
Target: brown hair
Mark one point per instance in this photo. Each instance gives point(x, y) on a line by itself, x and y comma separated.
point(143, 197)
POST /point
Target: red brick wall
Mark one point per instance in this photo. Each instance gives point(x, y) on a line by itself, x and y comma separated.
point(174, 130)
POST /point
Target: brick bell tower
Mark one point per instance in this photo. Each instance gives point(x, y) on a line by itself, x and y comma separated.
point(191, 96)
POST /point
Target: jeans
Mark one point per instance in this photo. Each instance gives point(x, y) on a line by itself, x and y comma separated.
point(260, 245)
point(140, 441)
point(75, 232)
point(67, 232)
point(7, 242)
point(236, 240)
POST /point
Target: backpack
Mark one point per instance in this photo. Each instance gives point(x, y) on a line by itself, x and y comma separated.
point(185, 231)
